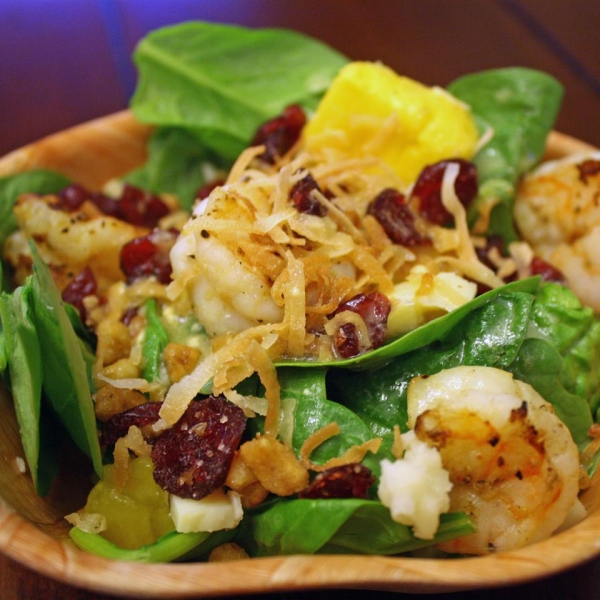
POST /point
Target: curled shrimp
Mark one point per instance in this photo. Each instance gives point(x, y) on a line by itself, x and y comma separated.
point(557, 211)
point(227, 293)
point(513, 464)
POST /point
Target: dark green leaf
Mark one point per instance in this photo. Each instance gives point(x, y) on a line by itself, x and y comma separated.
point(155, 340)
point(24, 361)
point(341, 525)
point(176, 165)
point(66, 377)
point(372, 531)
point(574, 330)
point(221, 81)
point(312, 411)
point(540, 365)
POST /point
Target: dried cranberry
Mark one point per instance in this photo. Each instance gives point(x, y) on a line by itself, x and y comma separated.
point(588, 168)
point(374, 309)
point(118, 425)
point(109, 206)
point(129, 315)
point(345, 340)
point(82, 285)
point(303, 200)
point(149, 255)
point(140, 207)
point(346, 481)
point(72, 197)
point(135, 205)
point(548, 272)
point(279, 134)
point(396, 218)
point(428, 189)
point(192, 458)
point(494, 243)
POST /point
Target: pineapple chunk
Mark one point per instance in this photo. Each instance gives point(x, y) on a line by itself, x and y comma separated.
point(138, 514)
point(371, 111)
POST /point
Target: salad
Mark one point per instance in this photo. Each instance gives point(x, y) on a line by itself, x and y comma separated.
point(336, 311)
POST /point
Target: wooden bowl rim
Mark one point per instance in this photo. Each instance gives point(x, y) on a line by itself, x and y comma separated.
point(22, 541)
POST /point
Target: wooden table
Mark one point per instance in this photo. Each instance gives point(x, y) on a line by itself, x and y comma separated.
point(65, 62)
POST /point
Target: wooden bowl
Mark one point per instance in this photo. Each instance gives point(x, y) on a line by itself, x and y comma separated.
point(33, 531)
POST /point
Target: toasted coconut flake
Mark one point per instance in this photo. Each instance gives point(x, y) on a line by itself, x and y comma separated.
point(314, 440)
point(398, 444)
point(134, 383)
point(88, 522)
point(467, 261)
point(354, 454)
point(243, 162)
point(133, 441)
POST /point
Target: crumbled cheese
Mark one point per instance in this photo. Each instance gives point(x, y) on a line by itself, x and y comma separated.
point(424, 296)
point(213, 513)
point(416, 487)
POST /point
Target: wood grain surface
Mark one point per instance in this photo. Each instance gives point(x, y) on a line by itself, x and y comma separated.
point(65, 62)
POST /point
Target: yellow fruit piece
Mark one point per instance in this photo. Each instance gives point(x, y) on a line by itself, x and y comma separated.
point(137, 515)
point(369, 110)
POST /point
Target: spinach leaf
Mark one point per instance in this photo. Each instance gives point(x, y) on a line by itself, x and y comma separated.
point(313, 410)
point(170, 547)
point(574, 330)
point(334, 525)
point(371, 530)
point(177, 164)
point(155, 340)
point(540, 364)
point(66, 377)
point(222, 81)
point(24, 362)
point(11, 187)
point(520, 105)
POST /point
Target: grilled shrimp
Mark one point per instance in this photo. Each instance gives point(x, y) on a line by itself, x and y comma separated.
point(228, 295)
point(557, 211)
point(68, 241)
point(513, 464)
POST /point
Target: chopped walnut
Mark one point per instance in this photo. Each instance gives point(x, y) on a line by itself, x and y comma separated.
point(180, 360)
point(109, 401)
point(275, 465)
point(229, 551)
